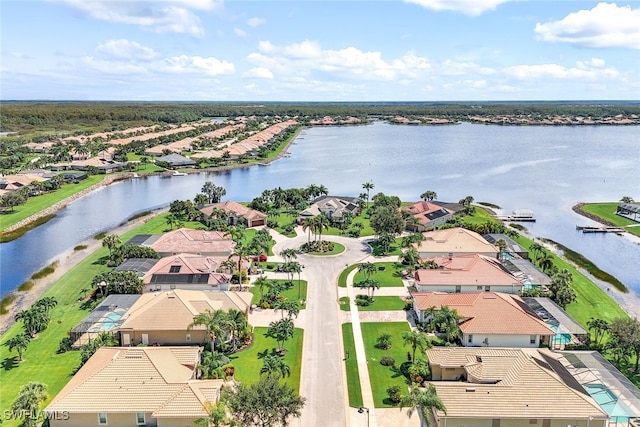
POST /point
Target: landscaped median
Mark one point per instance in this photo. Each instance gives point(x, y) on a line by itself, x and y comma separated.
point(383, 303)
point(351, 365)
point(387, 274)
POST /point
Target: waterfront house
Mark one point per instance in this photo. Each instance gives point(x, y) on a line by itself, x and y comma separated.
point(466, 273)
point(235, 211)
point(332, 206)
point(512, 248)
point(629, 210)
point(184, 240)
point(135, 386)
point(177, 161)
point(487, 318)
point(493, 387)
point(187, 271)
point(454, 241)
point(163, 318)
point(428, 215)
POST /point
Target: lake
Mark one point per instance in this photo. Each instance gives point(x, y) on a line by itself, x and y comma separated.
point(546, 169)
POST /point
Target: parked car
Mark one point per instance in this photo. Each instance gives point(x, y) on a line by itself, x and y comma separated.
point(260, 258)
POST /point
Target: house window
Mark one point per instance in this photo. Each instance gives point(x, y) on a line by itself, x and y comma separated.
point(533, 421)
point(458, 289)
point(172, 286)
point(479, 288)
point(102, 418)
point(175, 269)
point(140, 421)
point(470, 340)
point(532, 339)
point(187, 338)
point(487, 288)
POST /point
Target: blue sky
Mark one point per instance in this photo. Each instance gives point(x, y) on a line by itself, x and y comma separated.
point(417, 50)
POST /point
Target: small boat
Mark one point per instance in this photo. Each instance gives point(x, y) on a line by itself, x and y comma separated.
point(176, 173)
point(135, 175)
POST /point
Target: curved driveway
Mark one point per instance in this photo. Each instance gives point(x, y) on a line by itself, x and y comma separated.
point(322, 378)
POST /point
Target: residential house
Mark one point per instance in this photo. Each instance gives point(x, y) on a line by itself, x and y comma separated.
point(135, 386)
point(10, 183)
point(487, 318)
point(467, 273)
point(428, 215)
point(177, 161)
point(185, 240)
point(187, 271)
point(235, 211)
point(629, 210)
point(333, 206)
point(163, 318)
point(454, 241)
point(513, 248)
point(493, 387)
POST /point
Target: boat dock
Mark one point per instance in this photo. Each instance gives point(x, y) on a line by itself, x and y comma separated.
point(518, 215)
point(599, 229)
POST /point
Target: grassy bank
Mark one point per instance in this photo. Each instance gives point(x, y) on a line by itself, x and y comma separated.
point(19, 232)
point(606, 212)
point(351, 362)
point(39, 203)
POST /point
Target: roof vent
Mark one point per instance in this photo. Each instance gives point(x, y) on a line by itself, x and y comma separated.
point(470, 390)
point(479, 359)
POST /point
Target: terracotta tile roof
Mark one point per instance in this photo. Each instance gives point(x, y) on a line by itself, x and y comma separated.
point(128, 379)
point(454, 240)
point(236, 208)
point(487, 312)
point(190, 400)
point(470, 269)
point(199, 269)
point(527, 386)
point(151, 311)
point(425, 210)
point(184, 240)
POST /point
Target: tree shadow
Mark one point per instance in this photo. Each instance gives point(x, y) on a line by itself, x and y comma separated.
point(401, 371)
point(268, 352)
point(9, 363)
point(101, 261)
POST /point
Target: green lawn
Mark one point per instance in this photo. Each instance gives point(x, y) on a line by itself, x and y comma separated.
point(384, 303)
point(607, 211)
point(344, 304)
point(249, 362)
point(283, 220)
point(290, 294)
point(383, 377)
point(592, 301)
point(342, 280)
point(394, 249)
point(36, 204)
point(351, 362)
point(337, 249)
point(387, 273)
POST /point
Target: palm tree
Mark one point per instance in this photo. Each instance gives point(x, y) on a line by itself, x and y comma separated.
point(309, 224)
point(545, 261)
point(415, 339)
point(111, 241)
point(368, 186)
point(413, 223)
point(47, 303)
point(288, 254)
point(291, 308)
point(429, 195)
point(446, 320)
point(411, 258)
point(322, 223)
point(536, 248)
point(261, 283)
point(599, 327)
point(281, 331)
point(502, 246)
point(216, 415)
point(372, 285)
point(368, 268)
point(242, 251)
point(427, 401)
point(239, 326)
point(28, 402)
point(627, 199)
point(272, 364)
point(385, 240)
point(19, 343)
point(216, 322)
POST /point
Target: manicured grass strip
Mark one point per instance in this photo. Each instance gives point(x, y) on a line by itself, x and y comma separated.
point(36, 204)
point(387, 273)
point(344, 304)
point(351, 365)
point(588, 265)
point(337, 249)
point(384, 303)
point(249, 362)
point(342, 280)
point(607, 212)
point(383, 377)
point(290, 294)
point(394, 249)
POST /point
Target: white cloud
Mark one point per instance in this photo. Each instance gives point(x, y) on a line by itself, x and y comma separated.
point(306, 57)
point(606, 25)
point(584, 70)
point(453, 68)
point(171, 16)
point(126, 49)
point(196, 64)
point(468, 7)
point(240, 32)
point(255, 21)
point(113, 67)
point(259, 72)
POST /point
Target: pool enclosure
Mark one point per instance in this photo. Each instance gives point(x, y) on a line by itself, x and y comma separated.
point(106, 317)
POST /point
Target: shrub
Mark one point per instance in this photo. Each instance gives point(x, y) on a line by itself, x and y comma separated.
point(387, 361)
point(363, 300)
point(64, 345)
point(26, 286)
point(317, 246)
point(394, 395)
point(418, 371)
point(229, 371)
point(384, 341)
point(80, 248)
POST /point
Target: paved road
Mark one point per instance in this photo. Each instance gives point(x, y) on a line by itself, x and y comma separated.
point(322, 377)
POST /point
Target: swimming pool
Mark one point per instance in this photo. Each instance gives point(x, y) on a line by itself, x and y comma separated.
point(109, 321)
point(608, 401)
point(559, 338)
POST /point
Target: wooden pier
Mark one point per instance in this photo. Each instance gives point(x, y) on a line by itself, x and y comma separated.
point(518, 215)
point(599, 229)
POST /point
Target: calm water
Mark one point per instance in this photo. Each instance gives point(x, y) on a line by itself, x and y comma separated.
point(546, 169)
